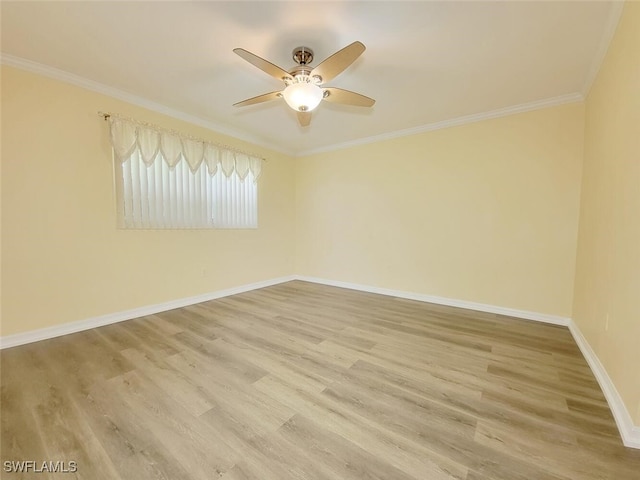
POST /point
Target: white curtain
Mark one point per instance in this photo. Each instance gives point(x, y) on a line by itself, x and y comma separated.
point(128, 136)
point(164, 181)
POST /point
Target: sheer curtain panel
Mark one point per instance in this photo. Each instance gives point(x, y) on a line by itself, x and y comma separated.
point(166, 180)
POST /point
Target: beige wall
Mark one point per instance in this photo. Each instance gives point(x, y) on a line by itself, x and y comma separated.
point(486, 212)
point(607, 283)
point(63, 258)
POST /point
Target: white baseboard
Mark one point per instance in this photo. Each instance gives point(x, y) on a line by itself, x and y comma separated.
point(629, 432)
point(450, 302)
point(87, 324)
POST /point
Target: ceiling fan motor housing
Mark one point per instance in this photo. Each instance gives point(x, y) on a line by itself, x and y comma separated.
point(303, 56)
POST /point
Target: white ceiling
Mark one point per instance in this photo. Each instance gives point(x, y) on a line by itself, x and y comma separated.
point(425, 63)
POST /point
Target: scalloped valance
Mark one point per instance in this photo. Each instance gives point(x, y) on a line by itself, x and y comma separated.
point(128, 135)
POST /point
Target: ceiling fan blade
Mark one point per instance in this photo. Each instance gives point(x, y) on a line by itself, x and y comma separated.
point(336, 63)
point(259, 99)
point(346, 97)
point(304, 118)
point(267, 67)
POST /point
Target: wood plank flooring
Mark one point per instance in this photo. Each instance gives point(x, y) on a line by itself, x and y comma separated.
point(303, 381)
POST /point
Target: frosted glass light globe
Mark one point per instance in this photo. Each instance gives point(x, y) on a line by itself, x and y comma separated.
point(303, 96)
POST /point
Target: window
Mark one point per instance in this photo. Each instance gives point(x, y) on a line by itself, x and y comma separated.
point(167, 182)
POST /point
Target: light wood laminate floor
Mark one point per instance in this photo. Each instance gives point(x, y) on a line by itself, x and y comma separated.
point(303, 381)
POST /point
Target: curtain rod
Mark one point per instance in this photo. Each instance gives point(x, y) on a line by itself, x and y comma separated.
point(107, 115)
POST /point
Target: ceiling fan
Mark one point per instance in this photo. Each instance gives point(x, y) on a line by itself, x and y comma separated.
point(304, 88)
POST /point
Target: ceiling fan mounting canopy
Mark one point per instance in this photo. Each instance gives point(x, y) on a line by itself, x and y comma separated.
point(302, 55)
point(303, 84)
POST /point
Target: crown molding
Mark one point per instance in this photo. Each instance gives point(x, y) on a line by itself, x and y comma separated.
point(78, 81)
point(454, 122)
point(605, 40)
point(61, 75)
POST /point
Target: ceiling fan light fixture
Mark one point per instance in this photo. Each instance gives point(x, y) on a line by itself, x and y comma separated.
point(303, 96)
point(304, 84)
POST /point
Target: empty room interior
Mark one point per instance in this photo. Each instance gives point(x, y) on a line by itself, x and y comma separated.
point(320, 240)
